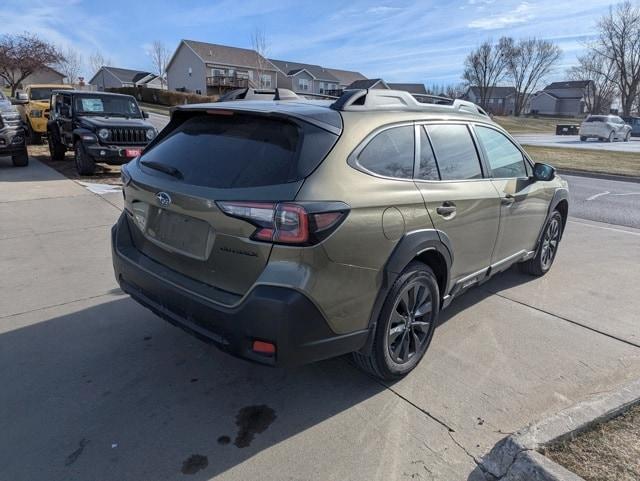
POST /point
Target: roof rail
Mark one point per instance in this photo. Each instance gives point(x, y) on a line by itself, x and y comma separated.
point(383, 99)
point(258, 94)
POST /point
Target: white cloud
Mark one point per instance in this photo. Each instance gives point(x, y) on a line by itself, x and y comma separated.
point(382, 9)
point(523, 13)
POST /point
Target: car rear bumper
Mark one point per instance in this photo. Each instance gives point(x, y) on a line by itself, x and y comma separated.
point(279, 315)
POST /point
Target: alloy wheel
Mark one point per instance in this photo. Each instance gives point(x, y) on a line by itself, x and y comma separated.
point(550, 243)
point(411, 321)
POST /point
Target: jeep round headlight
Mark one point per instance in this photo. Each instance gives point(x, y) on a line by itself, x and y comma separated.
point(103, 134)
point(151, 133)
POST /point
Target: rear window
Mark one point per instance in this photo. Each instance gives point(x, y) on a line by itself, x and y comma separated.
point(596, 118)
point(241, 150)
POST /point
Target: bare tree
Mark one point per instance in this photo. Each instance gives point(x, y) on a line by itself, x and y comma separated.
point(71, 65)
point(160, 57)
point(260, 45)
point(600, 71)
point(619, 42)
point(23, 54)
point(97, 61)
point(529, 61)
point(485, 67)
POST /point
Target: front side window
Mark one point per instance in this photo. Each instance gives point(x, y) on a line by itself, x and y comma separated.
point(505, 159)
point(390, 153)
point(455, 152)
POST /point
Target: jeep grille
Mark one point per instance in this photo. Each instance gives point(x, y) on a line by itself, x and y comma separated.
point(127, 136)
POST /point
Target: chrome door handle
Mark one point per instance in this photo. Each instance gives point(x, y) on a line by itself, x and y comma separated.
point(446, 209)
point(508, 199)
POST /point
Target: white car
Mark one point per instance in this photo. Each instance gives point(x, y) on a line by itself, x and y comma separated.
point(605, 127)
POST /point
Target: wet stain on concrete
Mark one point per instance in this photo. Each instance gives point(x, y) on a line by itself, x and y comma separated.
point(252, 420)
point(194, 463)
point(224, 440)
point(194, 379)
point(147, 338)
point(73, 457)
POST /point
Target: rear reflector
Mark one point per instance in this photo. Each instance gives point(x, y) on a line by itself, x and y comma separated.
point(265, 348)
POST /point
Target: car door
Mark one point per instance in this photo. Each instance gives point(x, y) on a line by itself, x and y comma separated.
point(65, 121)
point(461, 200)
point(523, 201)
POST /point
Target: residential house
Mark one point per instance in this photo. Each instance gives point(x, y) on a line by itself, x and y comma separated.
point(345, 77)
point(373, 83)
point(305, 78)
point(113, 77)
point(45, 75)
point(563, 99)
point(409, 87)
point(500, 101)
point(211, 69)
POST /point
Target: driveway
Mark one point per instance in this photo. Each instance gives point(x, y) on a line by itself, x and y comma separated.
point(574, 142)
point(95, 387)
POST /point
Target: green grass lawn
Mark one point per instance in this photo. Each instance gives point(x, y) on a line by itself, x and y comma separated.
point(596, 161)
point(532, 125)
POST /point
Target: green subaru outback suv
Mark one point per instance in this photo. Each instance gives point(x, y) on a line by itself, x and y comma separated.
point(287, 232)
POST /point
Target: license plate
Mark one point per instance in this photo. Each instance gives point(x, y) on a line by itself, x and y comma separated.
point(185, 234)
point(132, 152)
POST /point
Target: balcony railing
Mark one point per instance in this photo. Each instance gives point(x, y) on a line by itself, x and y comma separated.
point(227, 81)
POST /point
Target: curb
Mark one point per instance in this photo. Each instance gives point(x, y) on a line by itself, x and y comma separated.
point(516, 457)
point(600, 175)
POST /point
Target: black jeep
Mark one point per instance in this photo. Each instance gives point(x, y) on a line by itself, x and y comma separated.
point(98, 127)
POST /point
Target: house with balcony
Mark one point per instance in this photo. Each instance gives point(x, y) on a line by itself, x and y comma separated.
point(212, 69)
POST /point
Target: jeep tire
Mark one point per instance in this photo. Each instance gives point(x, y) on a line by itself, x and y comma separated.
point(20, 159)
point(56, 148)
point(405, 325)
point(85, 165)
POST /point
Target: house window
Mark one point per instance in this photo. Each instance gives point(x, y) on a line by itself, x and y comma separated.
point(303, 84)
point(321, 87)
point(490, 101)
point(265, 81)
point(500, 101)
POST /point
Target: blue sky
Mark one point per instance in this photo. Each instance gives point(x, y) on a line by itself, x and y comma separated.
point(418, 41)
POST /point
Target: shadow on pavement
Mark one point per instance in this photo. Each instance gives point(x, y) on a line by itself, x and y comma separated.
point(113, 392)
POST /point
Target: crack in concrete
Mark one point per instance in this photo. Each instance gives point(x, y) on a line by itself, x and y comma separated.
point(56, 305)
point(487, 475)
point(557, 316)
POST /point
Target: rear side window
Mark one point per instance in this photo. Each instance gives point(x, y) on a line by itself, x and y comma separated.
point(596, 118)
point(455, 152)
point(390, 153)
point(505, 159)
point(241, 150)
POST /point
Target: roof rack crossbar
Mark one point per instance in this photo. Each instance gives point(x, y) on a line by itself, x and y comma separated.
point(383, 99)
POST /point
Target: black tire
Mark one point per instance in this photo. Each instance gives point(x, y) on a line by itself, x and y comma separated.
point(583, 139)
point(34, 138)
point(85, 165)
point(56, 148)
point(611, 137)
point(20, 159)
point(404, 331)
point(627, 137)
point(547, 250)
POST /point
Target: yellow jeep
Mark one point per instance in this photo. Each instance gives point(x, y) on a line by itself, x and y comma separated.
point(33, 105)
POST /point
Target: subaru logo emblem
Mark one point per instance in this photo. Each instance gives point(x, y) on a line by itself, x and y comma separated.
point(164, 199)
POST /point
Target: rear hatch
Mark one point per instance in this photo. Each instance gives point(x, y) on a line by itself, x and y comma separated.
point(594, 125)
point(208, 160)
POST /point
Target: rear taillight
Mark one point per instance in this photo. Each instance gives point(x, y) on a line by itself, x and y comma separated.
point(287, 223)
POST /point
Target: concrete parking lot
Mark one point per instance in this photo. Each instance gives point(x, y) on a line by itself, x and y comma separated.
point(95, 387)
point(574, 142)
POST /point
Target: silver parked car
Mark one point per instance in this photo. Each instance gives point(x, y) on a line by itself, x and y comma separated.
point(605, 127)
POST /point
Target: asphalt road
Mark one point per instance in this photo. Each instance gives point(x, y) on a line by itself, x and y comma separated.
point(611, 201)
point(573, 142)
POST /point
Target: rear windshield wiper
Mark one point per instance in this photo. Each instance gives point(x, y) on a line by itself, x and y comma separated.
point(167, 169)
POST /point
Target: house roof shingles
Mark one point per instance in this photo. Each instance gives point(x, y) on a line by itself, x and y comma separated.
point(126, 75)
point(571, 84)
point(292, 68)
point(346, 77)
point(496, 92)
point(212, 53)
point(366, 83)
